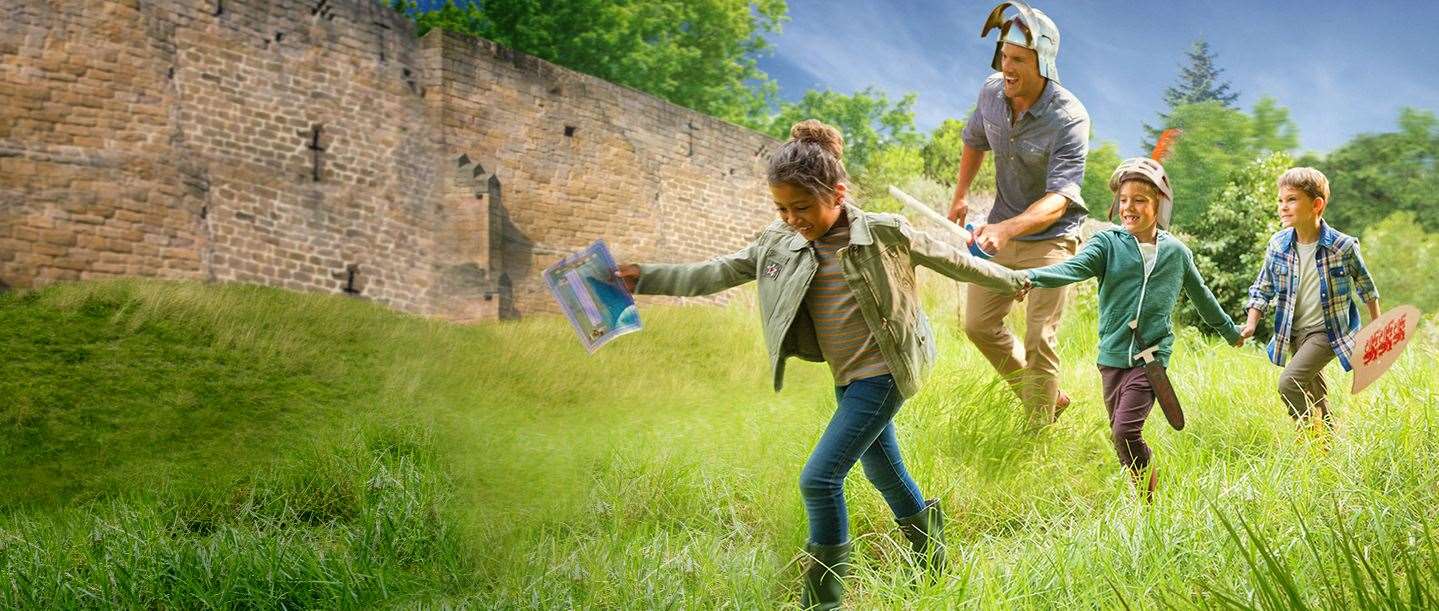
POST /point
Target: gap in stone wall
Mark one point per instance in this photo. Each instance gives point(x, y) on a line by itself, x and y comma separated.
point(323, 10)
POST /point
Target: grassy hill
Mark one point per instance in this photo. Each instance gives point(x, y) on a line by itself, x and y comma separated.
point(172, 444)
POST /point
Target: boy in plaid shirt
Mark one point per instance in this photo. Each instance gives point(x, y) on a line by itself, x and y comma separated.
point(1313, 273)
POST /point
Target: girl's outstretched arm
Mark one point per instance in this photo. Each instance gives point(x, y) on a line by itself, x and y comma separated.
point(959, 265)
point(690, 279)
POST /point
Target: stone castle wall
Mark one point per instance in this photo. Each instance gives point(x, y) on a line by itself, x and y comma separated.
point(319, 145)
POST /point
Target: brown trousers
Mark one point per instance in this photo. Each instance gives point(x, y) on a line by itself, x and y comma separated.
point(1031, 368)
point(1129, 398)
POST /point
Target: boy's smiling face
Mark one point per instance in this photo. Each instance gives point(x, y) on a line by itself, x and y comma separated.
point(1138, 208)
point(1296, 208)
point(809, 214)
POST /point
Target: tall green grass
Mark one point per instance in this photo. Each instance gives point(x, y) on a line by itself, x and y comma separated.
point(185, 445)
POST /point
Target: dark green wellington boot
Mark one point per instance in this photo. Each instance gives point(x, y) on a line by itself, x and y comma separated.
point(925, 531)
point(829, 564)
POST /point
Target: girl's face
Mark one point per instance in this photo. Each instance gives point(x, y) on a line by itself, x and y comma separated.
point(806, 213)
point(1138, 208)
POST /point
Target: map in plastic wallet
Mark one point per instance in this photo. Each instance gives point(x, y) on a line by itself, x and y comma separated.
point(595, 301)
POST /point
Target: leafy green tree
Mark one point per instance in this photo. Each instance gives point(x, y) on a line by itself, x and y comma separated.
point(941, 157)
point(896, 164)
point(1218, 141)
point(1215, 142)
point(1270, 128)
point(868, 120)
point(1393, 249)
point(1229, 239)
point(696, 53)
point(1199, 82)
point(1097, 167)
point(1375, 175)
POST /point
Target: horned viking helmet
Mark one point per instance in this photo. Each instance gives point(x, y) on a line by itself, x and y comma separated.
point(1029, 28)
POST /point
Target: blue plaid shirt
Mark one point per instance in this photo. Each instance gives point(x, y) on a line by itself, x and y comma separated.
point(1342, 276)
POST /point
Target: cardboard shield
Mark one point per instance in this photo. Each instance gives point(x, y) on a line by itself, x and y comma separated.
point(1380, 343)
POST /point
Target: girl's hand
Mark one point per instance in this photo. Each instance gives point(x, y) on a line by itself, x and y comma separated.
point(1024, 290)
point(629, 274)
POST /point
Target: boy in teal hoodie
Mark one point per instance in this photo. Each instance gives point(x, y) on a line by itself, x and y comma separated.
point(1141, 269)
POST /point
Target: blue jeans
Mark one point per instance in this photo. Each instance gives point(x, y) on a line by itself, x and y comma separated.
point(861, 429)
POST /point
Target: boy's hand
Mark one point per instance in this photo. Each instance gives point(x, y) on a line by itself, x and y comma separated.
point(1023, 289)
point(1244, 334)
point(629, 274)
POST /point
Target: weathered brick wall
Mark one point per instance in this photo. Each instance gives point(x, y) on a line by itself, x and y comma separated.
point(180, 139)
point(317, 145)
point(577, 158)
point(88, 183)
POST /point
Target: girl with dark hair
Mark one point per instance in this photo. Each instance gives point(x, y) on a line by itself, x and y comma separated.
point(836, 284)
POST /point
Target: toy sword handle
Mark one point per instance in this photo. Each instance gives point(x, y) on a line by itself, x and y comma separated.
point(931, 214)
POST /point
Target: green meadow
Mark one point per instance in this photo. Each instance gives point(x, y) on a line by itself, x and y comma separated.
point(179, 445)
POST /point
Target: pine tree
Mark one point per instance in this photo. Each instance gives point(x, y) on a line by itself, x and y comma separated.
point(1198, 82)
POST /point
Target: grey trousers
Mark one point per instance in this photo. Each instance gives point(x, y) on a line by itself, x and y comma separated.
point(1302, 383)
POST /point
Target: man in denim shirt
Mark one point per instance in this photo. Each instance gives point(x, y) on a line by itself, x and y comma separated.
point(1039, 133)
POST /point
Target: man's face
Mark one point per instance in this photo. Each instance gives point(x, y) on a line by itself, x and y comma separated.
point(1020, 67)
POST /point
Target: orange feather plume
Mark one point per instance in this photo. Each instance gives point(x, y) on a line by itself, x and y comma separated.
point(1165, 145)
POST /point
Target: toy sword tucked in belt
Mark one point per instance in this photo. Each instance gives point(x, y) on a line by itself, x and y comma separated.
point(1163, 390)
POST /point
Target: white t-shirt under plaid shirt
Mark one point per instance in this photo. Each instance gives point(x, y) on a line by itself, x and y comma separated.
point(1343, 281)
point(844, 338)
point(1308, 312)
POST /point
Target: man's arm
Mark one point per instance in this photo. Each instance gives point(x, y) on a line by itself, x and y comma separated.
point(971, 157)
point(1036, 218)
point(1064, 177)
point(970, 161)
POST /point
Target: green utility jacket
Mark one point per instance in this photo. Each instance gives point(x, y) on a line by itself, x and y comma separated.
point(1134, 308)
point(878, 265)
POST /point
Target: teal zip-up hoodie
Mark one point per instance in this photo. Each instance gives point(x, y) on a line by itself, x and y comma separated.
point(1134, 310)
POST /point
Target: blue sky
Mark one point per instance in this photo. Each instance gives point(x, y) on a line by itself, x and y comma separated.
point(1341, 68)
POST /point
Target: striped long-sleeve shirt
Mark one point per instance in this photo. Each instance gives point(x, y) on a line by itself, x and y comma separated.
point(844, 338)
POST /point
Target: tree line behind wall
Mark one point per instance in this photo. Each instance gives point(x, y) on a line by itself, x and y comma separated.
point(702, 54)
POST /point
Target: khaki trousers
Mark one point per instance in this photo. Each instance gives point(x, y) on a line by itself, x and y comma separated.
point(1302, 383)
point(1031, 369)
